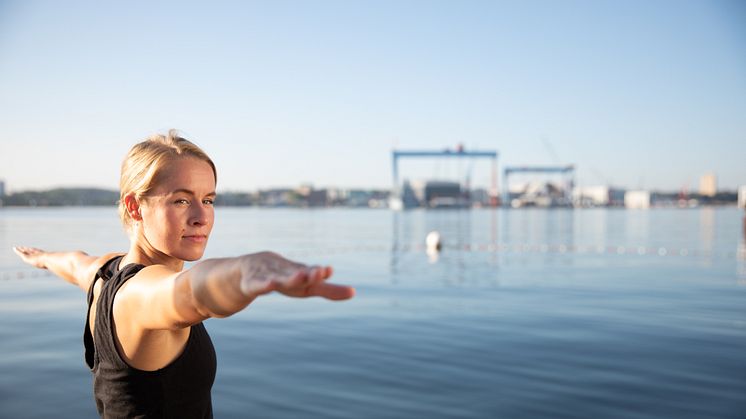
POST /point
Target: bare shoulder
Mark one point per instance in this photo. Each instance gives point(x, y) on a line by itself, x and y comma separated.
point(149, 280)
point(154, 273)
point(150, 299)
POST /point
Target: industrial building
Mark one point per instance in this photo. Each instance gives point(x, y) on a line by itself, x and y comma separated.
point(443, 194)
point(637, 199)
point(597, 196)
point(539, 193)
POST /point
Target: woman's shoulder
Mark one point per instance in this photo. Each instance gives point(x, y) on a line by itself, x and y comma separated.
point(150, 274)
point(95, 263)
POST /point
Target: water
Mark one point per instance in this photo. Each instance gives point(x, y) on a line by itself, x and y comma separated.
point(525, 314)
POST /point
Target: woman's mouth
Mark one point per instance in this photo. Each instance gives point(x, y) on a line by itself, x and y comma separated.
point(196, 238)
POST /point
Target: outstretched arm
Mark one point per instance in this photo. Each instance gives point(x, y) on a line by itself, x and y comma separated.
point(77, 268)
point(158, 298)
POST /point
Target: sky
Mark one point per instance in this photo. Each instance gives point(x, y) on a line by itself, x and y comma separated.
point(635, 94)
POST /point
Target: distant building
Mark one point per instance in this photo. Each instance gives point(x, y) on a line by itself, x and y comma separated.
point(441, 194)
point(742, 197)
point(616, 197)
point(708, 185)
point(480, 197)
point(418, 188)
point(590, 196)
point(318, 198)
point(335, 196)
point(304, 190)
point(358, 198)
point(637, 199)
point(276, 197)
point(409, 196)
point(597, 196)
point(380, 199)
point(2, 188)
point(538, 193)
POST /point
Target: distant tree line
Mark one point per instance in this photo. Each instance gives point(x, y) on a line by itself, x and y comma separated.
point(62, 197)
point(95, 197)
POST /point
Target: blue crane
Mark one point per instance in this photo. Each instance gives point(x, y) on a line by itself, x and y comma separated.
point(447, 153)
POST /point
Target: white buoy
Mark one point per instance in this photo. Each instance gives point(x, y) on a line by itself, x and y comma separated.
point(433, 242)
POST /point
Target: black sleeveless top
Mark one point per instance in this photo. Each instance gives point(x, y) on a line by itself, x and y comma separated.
point(179, 390)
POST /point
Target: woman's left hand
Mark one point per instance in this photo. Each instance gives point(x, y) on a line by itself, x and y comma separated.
point(267, 271)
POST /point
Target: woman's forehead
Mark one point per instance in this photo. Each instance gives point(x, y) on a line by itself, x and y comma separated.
point(188, 174)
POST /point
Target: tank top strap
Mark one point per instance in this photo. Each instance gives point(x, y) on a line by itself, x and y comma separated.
point(104, 331)
point(105, 272)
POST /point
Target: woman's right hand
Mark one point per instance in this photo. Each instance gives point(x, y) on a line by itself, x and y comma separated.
point(31, 255)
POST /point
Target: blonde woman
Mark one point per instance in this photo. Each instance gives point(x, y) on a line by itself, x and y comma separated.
point(145, 343)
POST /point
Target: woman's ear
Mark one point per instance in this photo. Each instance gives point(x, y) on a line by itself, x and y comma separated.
point(133, 206)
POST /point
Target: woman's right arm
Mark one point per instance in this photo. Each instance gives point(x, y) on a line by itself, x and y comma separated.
point(77, 268)
point(157, 298)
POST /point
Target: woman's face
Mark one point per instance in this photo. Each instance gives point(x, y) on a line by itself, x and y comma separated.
point(178, 216)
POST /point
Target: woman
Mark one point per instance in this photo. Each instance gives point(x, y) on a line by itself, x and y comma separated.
point(145, 343)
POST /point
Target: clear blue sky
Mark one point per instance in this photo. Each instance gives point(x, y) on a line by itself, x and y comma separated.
point(645, 94)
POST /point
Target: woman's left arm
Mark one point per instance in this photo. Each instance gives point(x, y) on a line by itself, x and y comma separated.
point(159, 298)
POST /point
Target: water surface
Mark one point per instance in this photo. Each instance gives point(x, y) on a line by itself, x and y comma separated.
point(525, 314)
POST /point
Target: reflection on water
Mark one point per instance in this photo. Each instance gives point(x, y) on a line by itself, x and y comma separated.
point(637, 227)
point(459, 230)
point(550, 237)
point(707, 228)
point(537, 226)
point(741, 255)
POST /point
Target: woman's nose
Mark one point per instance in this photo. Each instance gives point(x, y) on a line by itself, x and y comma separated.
point(200, 215)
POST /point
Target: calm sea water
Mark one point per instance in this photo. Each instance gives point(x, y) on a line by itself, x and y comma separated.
point(525, 314)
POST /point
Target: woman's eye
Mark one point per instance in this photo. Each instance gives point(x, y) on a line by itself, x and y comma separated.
point(186, 201)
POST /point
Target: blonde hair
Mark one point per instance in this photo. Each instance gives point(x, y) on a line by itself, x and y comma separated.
point(145, 162)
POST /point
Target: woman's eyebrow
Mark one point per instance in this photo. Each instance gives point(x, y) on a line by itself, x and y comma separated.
point(190, 192)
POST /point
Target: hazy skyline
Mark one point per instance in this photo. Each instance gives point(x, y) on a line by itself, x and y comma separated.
point(636, 94)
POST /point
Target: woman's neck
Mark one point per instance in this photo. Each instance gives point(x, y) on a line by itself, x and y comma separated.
point(145, 256)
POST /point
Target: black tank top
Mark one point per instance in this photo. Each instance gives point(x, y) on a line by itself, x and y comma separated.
point(179, 390)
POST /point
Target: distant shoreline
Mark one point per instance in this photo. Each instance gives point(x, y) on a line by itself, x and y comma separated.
point(307, 197)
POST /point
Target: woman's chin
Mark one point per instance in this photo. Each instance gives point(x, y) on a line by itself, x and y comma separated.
point(190, 256)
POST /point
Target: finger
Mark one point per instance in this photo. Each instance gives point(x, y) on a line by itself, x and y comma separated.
point(320, 273)
point(298, 279)
point(333, 291)
point(27, 250)
point(290, 270)
point(316, 274)
point(20, 251)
